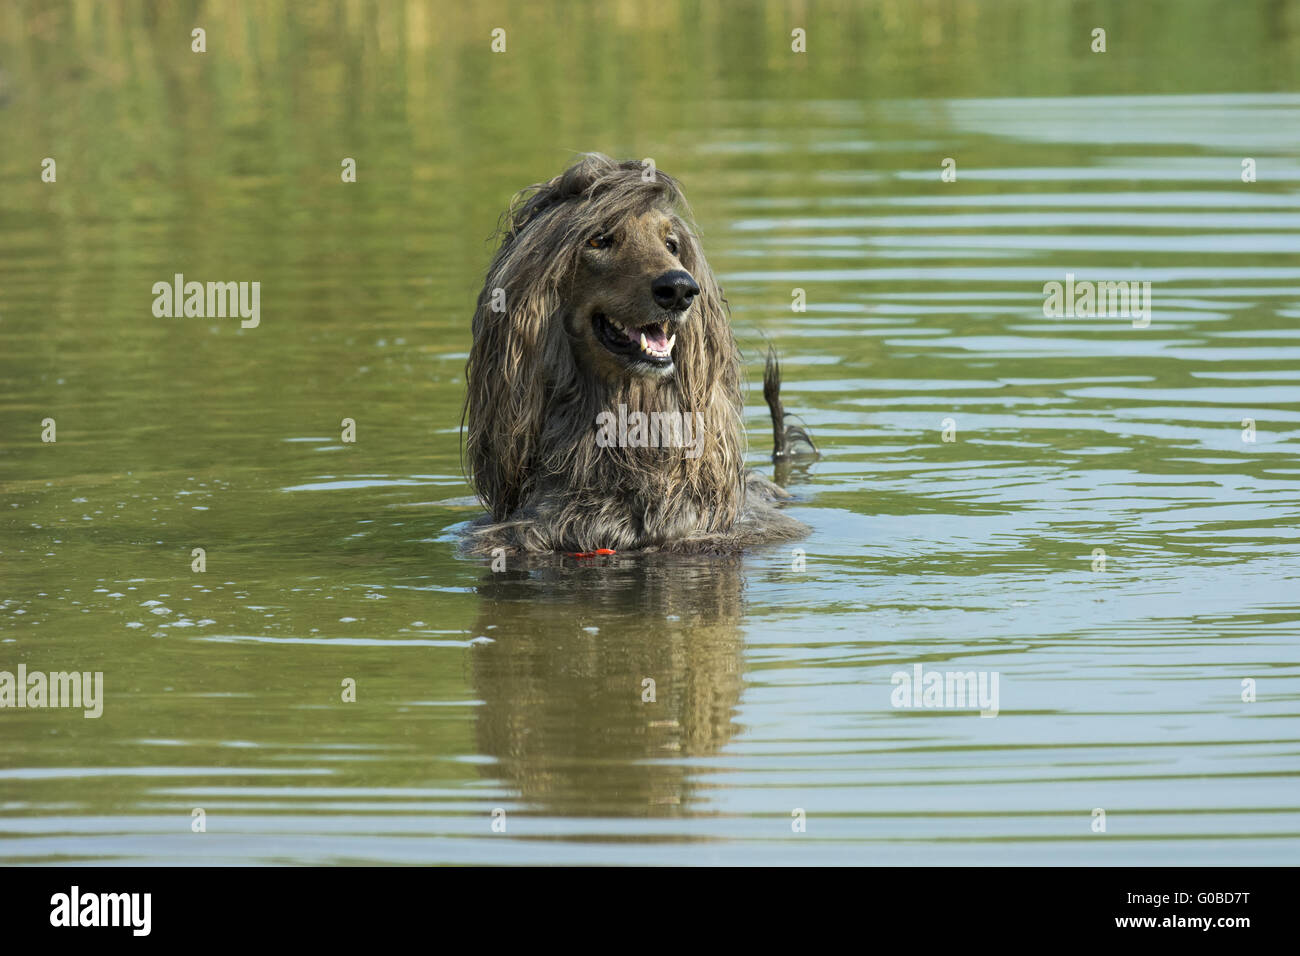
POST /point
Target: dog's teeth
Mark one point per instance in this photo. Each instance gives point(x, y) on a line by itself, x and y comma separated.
point(670, 344)
point(643, 343)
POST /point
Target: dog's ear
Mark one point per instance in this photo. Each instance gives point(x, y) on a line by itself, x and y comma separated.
point(513, 339)
point(582, 179)
point(505, 392)
point(708, 380)
point(712, 370)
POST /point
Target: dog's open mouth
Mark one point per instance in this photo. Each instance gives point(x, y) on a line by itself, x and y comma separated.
point(648, 343)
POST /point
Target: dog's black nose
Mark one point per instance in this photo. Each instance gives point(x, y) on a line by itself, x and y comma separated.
point(674, 290)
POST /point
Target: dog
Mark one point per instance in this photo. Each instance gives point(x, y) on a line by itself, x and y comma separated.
point(599, 309)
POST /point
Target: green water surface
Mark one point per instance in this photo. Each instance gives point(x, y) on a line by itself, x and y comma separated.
point(1121, 688)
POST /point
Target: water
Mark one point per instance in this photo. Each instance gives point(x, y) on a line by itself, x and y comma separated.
point(1120, 689)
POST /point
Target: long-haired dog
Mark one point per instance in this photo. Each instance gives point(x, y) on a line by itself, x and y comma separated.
point(599, 312)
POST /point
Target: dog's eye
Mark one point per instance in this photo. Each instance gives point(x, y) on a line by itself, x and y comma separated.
point(600, 242)
point(672, 245)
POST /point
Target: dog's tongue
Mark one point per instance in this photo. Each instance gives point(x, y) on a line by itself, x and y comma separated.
point(655, 336)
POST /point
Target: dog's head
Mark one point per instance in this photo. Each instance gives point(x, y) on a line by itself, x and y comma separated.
point(632, 296)
point(598, 293)
point(621, 269)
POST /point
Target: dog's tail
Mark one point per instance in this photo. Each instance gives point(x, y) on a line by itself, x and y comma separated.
point(788, 441)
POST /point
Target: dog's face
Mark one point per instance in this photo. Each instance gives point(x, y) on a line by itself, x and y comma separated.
point(631, 299)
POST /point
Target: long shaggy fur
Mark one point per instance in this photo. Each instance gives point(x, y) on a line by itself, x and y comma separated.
point(532, 402)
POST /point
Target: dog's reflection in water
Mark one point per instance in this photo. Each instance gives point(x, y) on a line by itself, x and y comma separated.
point(603, 676)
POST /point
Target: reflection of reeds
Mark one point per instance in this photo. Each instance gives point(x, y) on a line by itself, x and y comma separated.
point(415, 87)
point(405, 44)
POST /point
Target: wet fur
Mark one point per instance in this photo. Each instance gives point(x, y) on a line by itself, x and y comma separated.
point(537, 379)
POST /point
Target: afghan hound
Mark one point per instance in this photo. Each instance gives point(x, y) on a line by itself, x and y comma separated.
point(603, 401)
